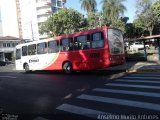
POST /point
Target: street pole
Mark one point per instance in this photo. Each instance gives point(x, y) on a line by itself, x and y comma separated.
point(32, 31)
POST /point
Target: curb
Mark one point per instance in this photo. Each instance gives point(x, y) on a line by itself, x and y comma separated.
point(147, 70)
point(119, 75)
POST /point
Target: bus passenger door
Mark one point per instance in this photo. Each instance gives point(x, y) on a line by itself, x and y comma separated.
point(19, 65)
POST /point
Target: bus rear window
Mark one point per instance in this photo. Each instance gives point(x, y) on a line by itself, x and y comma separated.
point(97, 40)
point(115, 40)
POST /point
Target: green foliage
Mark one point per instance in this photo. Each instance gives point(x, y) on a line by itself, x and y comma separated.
point(143, 5)
point(95, 20)
point(146, 19)
point(156, 8)
point(119, 24)
point(88, 5)
point(112, 12)
point(65, 21)
point(113, 9)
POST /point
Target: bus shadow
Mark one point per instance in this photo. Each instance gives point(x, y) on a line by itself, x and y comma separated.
point(78, 73)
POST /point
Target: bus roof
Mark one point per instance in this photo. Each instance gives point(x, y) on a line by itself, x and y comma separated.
point(67, 36)
point(33, 42)
point(82, 32)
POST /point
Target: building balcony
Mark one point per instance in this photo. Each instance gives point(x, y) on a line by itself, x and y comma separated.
point(42, 4)
point(43, 11)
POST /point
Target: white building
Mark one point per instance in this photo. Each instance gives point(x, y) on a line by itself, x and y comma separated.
point(31, 13)
point(8, 18)
point(7, 47)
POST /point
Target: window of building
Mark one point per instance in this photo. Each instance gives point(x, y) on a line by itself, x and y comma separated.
point(42, 48)
point(4, 45)
point(42, 1)
point(53, 47)
point(97, 40)
point(32, 49)
point(54, 9)
point(18, 54)
point(59, 3)
point(8, 45)
point(24, 51)
point(82, 42)
point(67, 44)
point(54, 2)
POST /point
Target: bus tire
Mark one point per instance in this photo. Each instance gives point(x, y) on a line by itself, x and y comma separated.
point(26, 68)
point(67, 67)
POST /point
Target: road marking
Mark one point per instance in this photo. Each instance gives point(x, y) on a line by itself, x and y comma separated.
point(8, 77)
point(145, 75)
point(40, 118)
point(133, 86)
point(149, 94)
point(130, 103)
point(81, 110)
point(140, 81)
point(143, 78)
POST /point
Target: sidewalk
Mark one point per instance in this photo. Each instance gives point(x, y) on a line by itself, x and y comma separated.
point(130, 67)
point(138, 67)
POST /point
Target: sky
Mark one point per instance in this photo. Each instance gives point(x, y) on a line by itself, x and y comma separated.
point(130, 5)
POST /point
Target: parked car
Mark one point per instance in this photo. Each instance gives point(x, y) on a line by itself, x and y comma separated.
point(2, 63)
point(138, 46)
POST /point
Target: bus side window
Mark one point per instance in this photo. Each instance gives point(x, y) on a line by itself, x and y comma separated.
point(53, 46)
point(32, 49)
point(18, 54)
point(82, 42)
point(66, 44)
point(97, 40)
point(24, 51)
point(42, 48)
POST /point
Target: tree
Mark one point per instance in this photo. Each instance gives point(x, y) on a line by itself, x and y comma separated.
point(143, 6)
point(113, 9)
point(138, 28)
point(146, 16)
point(65, 21)
point(95, 20)
point(89, 5)
point(156, 8)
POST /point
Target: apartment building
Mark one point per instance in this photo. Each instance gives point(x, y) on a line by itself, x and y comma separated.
point(20, 20)
point(31, 13)
point(8, 18)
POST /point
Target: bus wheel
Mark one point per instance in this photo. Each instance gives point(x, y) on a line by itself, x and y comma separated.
point(67, 67)
point(26, 67)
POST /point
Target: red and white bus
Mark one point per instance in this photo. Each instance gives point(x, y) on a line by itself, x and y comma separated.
point(86, 50)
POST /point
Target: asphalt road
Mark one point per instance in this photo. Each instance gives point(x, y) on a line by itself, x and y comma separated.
point(82, 95)
point(39, 93)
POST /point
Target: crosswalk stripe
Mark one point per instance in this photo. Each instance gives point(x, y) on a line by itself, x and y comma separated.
point(149, 94)
point(130, 103)
point(145, 75)
point(133, 86)
point(142, 78)
point(140, 81)
point(81, 110)
point(40, 118)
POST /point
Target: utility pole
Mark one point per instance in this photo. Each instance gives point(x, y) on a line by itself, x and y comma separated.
point(32, 31)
